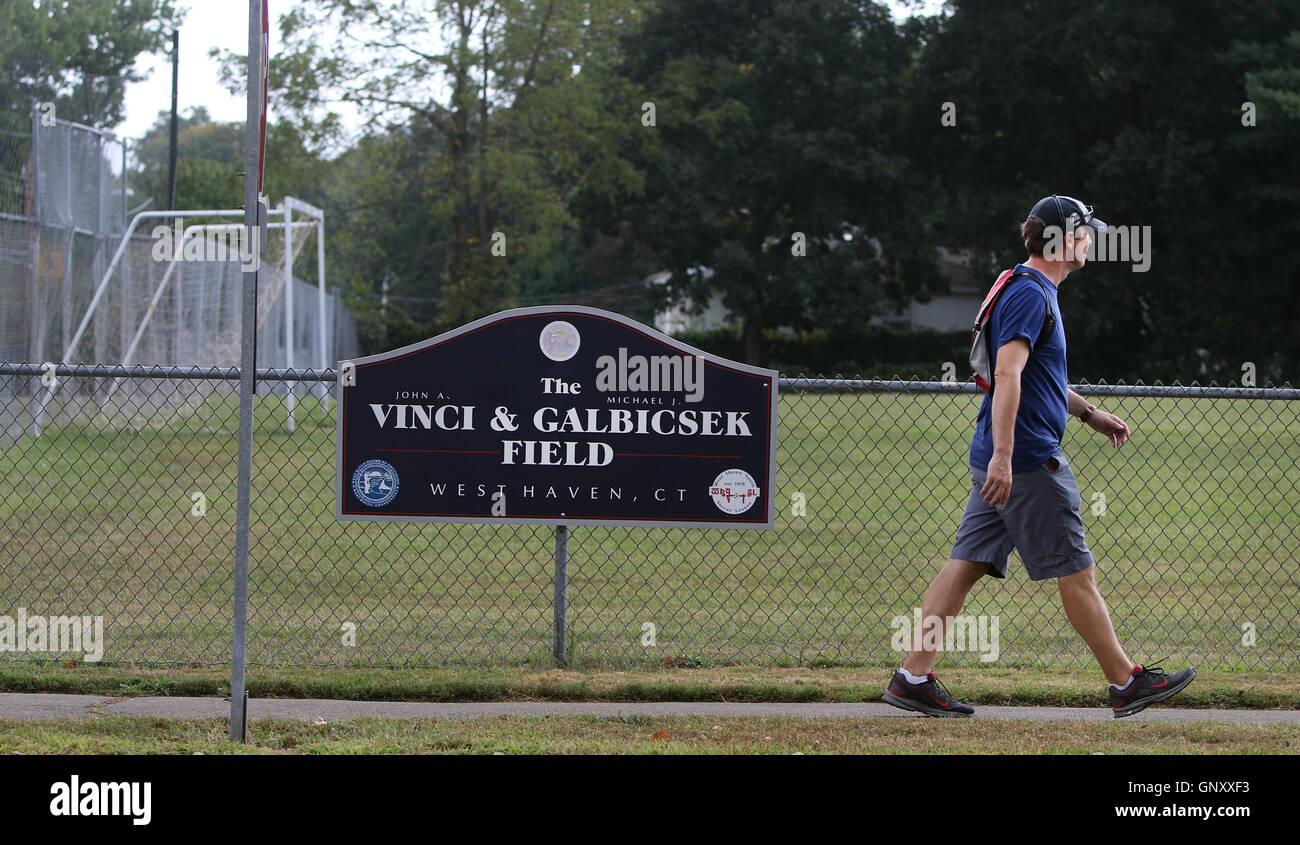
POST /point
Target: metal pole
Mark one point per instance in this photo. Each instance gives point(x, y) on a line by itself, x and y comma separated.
point(336, 336)
point(67, 287)
point(99, 189)
point(248, 329)
point(322, 361)
point(34, 211)
point(67, 176)
point(172, 131)
point(198, 324)
point(287, 300)
point(561, 593)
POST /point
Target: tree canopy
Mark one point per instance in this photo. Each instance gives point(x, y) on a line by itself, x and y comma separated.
point(801, 160)
point(78, 55)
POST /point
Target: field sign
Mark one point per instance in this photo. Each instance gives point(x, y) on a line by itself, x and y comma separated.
point(561, 415)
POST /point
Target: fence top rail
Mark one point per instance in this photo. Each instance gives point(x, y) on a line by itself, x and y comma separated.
point(795, 383)
point(144, 371)
point(1193, 391)
point(103, 133)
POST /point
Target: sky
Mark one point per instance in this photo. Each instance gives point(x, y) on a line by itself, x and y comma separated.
point(208, 24)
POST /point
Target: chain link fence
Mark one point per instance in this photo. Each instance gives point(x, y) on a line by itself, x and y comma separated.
point(132, 517)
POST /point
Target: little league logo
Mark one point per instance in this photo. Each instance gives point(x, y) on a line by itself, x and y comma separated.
point(375, 483)
point(734, 491)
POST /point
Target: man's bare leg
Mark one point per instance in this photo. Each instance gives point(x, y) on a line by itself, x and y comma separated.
point(944, 598)
point(1087, 612)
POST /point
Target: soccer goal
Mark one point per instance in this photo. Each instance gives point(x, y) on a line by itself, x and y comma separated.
point(171, 296)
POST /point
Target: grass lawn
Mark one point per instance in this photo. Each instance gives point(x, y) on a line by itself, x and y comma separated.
point(637, 735)
point(983, 685)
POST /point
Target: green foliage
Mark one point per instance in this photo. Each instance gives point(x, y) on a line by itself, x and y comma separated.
point(210, 163)
point(78, 55)
point(872, 351)
point(780, 123)
point(381, 328)
point(774, 132)
point(383, 228)
point(1136, 107)
point(482, 143)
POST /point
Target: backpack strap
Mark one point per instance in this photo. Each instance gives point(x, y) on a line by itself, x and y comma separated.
point(1049, 319)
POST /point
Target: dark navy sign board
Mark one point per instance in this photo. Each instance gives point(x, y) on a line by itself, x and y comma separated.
point(561, 415)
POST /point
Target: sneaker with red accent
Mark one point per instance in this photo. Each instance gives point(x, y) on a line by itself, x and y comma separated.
point(931, 697)
point(1150, 684)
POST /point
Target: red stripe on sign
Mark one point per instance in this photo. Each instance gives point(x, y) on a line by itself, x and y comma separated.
point(669, 455)
point(459, 451)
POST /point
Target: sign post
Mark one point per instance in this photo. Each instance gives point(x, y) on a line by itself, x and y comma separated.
point(254, 217)
point(559, 415)
point(561, 594)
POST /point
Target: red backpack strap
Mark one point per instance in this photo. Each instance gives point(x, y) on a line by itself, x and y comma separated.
point(991, 298)
point(983, 318)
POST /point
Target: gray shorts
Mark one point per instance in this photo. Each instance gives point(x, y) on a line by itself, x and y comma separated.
point(1040, 519)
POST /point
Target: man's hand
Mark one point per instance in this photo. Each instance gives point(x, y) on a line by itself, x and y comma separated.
point(1111, 426)
point(997, 486)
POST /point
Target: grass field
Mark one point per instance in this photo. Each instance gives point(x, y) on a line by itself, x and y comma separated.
point(1197, 540)
point(981, 685)
point(636, 735)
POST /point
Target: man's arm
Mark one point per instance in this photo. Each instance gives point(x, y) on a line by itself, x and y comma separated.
point(1076, 404)
point(1098, 420)
point(1012, 357)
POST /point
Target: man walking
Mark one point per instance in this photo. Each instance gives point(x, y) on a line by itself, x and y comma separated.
point(1023, 494)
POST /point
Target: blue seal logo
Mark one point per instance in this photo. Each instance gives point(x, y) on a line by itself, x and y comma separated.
point(375, 483)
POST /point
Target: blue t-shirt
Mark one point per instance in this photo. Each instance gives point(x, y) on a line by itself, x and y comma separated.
point(1044, 401)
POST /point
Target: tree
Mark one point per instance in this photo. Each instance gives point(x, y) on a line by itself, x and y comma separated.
point(209, 157)
point(1135, 107)
point(1271, 203)
point(385, 235)
point(500, 96)
point(770, 173)
point(79, 56)
point(210, 163)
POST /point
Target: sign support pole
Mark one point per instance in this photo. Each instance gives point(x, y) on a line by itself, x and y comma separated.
point(561, 593)
point(247, 387)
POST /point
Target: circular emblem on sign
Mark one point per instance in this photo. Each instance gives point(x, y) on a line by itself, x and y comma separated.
point(375, 483)
point(734, 491)
point(559, 340)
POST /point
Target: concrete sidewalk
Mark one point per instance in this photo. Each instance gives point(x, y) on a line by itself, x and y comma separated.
point(46, 706)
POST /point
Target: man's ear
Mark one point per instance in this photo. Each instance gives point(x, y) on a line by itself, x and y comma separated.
point(1071, 244)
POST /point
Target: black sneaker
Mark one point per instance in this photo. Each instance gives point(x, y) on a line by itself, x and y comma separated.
point(931, 698)
point(1150, 684)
